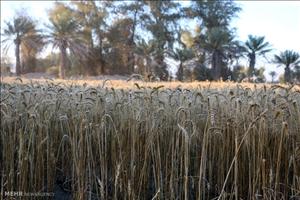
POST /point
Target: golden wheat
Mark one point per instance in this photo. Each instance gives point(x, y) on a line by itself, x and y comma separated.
point(138, 140)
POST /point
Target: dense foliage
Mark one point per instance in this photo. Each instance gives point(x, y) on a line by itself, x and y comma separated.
point(113, 37)
point(150, 142)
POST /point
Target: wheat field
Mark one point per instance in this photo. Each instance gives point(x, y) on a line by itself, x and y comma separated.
point(138, 140)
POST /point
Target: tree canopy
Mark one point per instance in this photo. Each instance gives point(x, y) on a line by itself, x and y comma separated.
point(107, 37)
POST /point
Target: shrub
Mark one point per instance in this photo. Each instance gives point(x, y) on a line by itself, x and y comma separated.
point(53, 70)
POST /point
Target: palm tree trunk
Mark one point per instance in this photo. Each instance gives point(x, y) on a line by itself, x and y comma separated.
point(216, 66)
point(251, 66)
point(180, 72)
point(287, 74)
point(63, 62)
point(131, 60)
point(17, 54)
point(99, 35)
point(102, 62)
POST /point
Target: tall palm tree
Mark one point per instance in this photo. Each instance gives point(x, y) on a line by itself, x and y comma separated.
point(21, 31)
point(255, 46)
point(145, 51)
point(64, 34)
point(181, 55)
point(220, 44)
point(288, 59)
point(29, 52)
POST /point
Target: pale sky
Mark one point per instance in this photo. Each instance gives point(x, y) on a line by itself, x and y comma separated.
point(278, 21)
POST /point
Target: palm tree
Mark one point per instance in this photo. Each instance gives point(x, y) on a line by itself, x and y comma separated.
point(255, 46)
point(289, 59)
point(181, 55)
point(64, 34)
point(29, 52)
point(297, 73)
point(21, 31)
point(220, 44)
point(144, 53)
point(272, 74)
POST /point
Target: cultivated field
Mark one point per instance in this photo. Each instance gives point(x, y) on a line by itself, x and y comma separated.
point(123, 139)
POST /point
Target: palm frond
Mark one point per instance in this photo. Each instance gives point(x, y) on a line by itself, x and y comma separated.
point(287, 58)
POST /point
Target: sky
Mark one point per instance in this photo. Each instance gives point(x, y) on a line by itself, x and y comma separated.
point(278, 21)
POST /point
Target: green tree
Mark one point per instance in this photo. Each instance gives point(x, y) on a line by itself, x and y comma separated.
point(239, 73)
point(144, 52)
point(29, 53)
point(213, 13)
point(118, 55)
point(217, 39)
point(255, 46)
point(50, 60)
point(288, 59)
point(297, 73)
point(220, 45)
point(91, 17)
point(162, 24)
point(135, 14)
point(21, 31)
point(64, 34)
point(182, 55)
point(259, 75)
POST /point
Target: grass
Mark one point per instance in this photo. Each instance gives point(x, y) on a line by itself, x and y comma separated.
point(136, 140)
